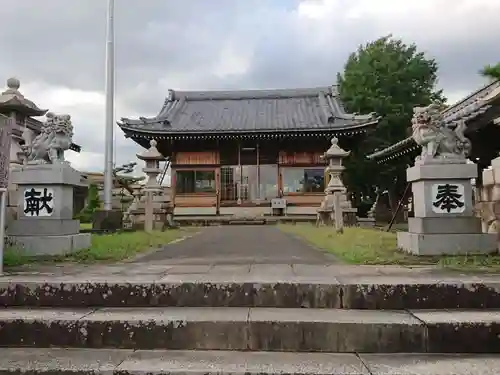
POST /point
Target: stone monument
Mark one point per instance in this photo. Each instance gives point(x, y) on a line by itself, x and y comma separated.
point(45, 183)
point(335, 207)
point(444, 221)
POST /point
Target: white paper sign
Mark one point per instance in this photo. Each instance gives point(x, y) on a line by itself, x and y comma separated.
point(448, 198)
point(38, 201)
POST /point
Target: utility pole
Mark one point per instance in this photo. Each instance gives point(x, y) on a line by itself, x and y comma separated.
point(110, 108)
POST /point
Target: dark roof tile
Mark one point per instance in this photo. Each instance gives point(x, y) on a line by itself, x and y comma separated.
point(250, 111)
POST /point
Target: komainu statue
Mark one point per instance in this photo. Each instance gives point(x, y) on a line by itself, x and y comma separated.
point(55, 138)
point(439, 140)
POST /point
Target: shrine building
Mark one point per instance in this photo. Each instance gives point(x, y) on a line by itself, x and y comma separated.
point(234, 149)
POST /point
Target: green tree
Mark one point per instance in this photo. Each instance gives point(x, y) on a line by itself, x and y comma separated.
point(93, 203)
point(390, 78)
point(93, 200)
point(491, 71)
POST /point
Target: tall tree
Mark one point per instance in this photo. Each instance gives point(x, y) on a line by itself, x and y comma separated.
point(491, 71)
point(390, 78)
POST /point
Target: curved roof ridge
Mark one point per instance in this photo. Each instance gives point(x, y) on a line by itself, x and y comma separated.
point(248, 94)
point(481, 92)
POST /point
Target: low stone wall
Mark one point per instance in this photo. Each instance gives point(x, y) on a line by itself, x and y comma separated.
point(487, 205)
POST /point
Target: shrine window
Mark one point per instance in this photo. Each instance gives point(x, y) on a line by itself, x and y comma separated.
point(303, 180)
point(192, 181)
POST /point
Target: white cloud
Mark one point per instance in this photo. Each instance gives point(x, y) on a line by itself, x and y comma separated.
point(427, 22)
point(87, 110)
point(86, 161)
point(233, 59)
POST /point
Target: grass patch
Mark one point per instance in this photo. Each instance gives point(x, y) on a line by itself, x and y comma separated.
point(105, 248)
point(376, 247)
point(85, 225)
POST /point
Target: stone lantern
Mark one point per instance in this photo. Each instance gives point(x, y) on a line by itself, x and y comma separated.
point(152, 157)
point(335, 197)
point(14, 105)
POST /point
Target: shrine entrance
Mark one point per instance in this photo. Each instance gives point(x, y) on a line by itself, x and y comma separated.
point(250, 181)
point(249, 174)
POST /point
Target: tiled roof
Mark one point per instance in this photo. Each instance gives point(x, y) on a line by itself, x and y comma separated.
point(250, 111)
point(467, 109)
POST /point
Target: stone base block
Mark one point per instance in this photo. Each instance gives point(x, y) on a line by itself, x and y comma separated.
point(47, 174)
point(366, 222)
point(350, 218)
point(197, 211)
point(440, 171)
point(302, 210)
point(52, 245)
point(43, 227)
point(107, 220)
point(447, 244)
point(443, 225)
point(245, 211)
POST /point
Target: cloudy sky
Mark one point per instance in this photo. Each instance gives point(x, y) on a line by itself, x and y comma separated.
point(57, 48)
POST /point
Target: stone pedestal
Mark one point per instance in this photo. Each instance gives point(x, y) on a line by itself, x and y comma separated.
point(444, 221)
point(44, 224)
point(369, 222)
point(107, 220)
point(162, 211)
point(326, 211)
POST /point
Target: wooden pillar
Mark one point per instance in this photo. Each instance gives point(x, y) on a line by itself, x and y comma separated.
point(217, 190)
point(258, 171)
point(241, 173)
point(173, 180)
point(148, 212)
point(280, 182)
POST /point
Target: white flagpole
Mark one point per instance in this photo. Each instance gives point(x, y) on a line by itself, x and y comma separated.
point(109, 90)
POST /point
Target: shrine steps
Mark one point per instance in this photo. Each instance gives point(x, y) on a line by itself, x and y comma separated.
point(212, 220)
point(254, 329)
point(248, 221)
point(195, 323)
point(160, 362)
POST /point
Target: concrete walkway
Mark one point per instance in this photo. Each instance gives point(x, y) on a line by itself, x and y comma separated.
point(241, 253)
point(245, 244)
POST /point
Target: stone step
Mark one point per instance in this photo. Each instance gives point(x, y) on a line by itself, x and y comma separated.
point(156, 362)
point(255, 329)
point(247, 222)
point(235, 290)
